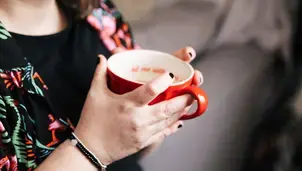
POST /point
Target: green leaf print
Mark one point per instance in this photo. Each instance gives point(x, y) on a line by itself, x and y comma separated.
point(19, 144)
point(28, 76)
point(30, 118)
point(4, 34)
point(40, 145)
point(2, 108)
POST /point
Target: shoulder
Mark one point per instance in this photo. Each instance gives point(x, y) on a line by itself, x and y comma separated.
point(111, 27)
point(106, 14)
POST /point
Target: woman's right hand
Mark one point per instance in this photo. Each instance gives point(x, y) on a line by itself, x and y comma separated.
point(115, 126)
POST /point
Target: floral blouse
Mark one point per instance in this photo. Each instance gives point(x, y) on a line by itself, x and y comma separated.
point(23, 92)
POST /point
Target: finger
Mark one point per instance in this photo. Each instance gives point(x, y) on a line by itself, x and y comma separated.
point(187, 108)
point(145, 121)
point(163, 124)
point(164, 133)
point(118, 50)
point(147, 92)
point(186, 54)
point(198, 78)
point(166, 109)
point(176, 127)
point(185, 111)
point(99, 79)
point(151, 148)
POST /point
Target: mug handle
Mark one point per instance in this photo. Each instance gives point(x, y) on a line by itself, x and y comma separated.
point(200, 97)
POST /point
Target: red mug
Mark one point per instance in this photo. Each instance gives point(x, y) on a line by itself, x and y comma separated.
point(130, 69)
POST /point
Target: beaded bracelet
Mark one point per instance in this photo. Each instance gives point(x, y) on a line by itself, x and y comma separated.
point(75, 141)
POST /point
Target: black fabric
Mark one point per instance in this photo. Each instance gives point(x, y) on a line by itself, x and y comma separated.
point(297, 37)
point(44, 81)
point(66, 61)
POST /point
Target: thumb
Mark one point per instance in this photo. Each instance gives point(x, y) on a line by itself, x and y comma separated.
point(99, 78)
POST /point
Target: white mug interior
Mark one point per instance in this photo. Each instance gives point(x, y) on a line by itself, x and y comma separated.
point(142, 66)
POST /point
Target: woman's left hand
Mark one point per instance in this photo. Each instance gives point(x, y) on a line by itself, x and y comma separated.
point(186, 54)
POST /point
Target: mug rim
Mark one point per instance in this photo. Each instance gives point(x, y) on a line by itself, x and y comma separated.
point(109, 63)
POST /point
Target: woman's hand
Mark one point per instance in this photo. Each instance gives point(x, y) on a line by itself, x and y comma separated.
point(115, 126)
point(186, 54)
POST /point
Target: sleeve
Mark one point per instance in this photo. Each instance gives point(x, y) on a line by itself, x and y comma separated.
point(113, 30)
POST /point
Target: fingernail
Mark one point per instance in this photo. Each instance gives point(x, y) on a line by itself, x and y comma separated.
point(190, 54)
point(171, 75)
point(200, 80)
point(179, 126)
point(98, 60)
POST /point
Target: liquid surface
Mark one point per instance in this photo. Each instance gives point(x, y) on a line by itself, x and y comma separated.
point(147, 74)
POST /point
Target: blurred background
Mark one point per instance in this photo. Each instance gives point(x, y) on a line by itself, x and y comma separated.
point(252, 77)
point(182, 22)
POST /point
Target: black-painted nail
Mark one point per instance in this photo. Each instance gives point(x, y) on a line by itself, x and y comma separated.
point(179, 126)
point(98, 60)
point(171, 75)
point(190, 54)
point(200, 80)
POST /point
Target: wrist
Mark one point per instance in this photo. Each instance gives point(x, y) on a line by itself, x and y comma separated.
point(94, 145)
point(67, 157)
point(77, 155)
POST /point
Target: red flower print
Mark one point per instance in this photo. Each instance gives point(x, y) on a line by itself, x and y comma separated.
point(12, 79)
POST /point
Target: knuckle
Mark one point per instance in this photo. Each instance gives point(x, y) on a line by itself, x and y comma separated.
point(150, 90)
point(167, 122)
point(189, 48)
point(138, 142)
point(136, 98)
point(163, 125)
point(139, 101)
point(171, 120)
point(137, 122)
point(163, 136)
point(165, 110)
point(125, 107)
point(167, 133)
point(135, 125)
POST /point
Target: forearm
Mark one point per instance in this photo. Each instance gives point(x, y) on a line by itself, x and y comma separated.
point(66, 157)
